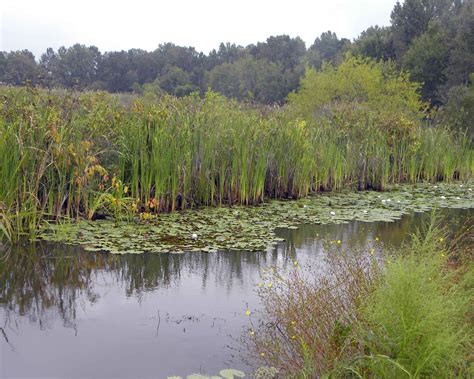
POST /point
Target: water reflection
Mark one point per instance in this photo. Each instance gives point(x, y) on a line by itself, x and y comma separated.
point(171, 314)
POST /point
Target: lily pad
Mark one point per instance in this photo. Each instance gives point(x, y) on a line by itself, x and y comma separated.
point(253, 228)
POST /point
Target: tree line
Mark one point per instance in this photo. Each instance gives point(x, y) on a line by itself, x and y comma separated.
point(432, 39)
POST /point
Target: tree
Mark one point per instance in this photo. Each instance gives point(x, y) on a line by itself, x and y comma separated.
point(116, 72)
point(458, 112)
point(177, 82)
point(3, 64)
point(224, 79)
point(48, 63)
point(227, 53)
point(327, 48)
point(143, 64)
point(427, 60)
point(20, 67)
point(186, 58)
point(250, 79)
point(461, 61)
point(282, 50)
point(411, 20)
point(376, 43)
point(73, 67)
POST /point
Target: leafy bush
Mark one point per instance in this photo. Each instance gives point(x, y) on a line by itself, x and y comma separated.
point(416, 317)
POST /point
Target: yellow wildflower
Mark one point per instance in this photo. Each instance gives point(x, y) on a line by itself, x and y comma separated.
point(248, 312)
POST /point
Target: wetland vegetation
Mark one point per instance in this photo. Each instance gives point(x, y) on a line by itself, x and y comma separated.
point(405, 314)
point(201, 175)
point(359, 126)
point(272, 199)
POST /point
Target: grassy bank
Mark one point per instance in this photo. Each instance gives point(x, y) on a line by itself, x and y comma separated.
point(85, 155)
point(405, 315)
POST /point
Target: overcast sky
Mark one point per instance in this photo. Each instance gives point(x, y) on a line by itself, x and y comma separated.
point(118, 24)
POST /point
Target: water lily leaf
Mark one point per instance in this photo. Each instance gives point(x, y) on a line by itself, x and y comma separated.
point(253, 228)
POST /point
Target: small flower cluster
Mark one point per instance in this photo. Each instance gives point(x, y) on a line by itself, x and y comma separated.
point(146, 216)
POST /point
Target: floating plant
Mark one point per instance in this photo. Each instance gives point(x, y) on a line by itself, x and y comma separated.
point(253, 228)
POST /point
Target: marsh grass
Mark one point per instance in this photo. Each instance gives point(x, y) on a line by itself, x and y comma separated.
point(61, 151)
point(406, 315)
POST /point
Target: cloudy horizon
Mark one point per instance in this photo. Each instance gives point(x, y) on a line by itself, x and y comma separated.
point(121, 25)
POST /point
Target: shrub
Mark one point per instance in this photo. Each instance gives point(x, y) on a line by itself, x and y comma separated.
point(406, 315)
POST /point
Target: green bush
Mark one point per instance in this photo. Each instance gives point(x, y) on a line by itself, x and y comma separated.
point(416, 317)
point(405, 315)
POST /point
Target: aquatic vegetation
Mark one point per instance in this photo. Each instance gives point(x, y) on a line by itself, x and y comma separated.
point(253, 228)
point(5, 224)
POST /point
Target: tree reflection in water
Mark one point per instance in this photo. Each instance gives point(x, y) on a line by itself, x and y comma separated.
point(45, 281)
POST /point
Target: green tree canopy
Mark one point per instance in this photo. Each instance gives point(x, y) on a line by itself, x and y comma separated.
point(250, 79)
point(282, 50)
point(20, 67)
point(327, 48)
point(376, 43)
point(427, 60)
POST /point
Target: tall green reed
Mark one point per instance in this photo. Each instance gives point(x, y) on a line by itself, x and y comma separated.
point(69, 155)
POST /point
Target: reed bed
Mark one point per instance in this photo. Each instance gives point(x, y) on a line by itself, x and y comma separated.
point(71, 155)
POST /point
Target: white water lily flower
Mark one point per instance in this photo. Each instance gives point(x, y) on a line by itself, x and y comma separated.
point(461, 185)
point(364, 211)
point(435, 186)
point(194, 236)
point(443, 197)
point(383, 200)
point(333, 213)
point(458, 198)
point(305, 206)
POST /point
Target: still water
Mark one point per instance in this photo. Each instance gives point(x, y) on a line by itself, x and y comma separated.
point(69, 313)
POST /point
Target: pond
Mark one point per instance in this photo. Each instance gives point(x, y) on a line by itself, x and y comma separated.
point(66, 312)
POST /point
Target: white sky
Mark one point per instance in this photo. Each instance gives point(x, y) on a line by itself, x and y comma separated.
point(119, 24)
